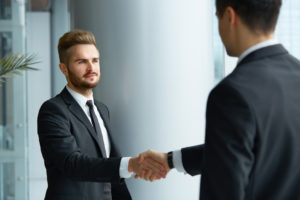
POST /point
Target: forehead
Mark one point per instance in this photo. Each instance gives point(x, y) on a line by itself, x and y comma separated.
point(83, 51)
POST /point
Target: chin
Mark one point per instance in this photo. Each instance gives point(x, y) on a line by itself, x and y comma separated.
point(90, 85)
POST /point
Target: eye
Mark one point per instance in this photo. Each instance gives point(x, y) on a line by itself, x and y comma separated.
point(81, 61)
point(95, 60)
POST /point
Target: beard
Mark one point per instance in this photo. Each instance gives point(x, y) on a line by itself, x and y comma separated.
point(81, 84)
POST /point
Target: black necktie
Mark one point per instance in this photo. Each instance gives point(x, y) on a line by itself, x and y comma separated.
point(95, 122)
point(97, 128)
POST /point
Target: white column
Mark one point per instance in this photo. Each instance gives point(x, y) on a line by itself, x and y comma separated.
point(60, 23)
point(38, 91)
point(157, 71)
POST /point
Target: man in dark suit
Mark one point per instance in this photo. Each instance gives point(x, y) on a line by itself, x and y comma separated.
point(252, 144)
point(81, 159)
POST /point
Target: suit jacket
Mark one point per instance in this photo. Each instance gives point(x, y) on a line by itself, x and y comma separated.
point(76, 169)
point(252, 144)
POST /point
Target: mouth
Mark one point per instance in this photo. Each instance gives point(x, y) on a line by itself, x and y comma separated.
point(91, 75)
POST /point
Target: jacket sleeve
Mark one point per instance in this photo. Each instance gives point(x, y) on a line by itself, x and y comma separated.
point(228, 156)
point(192, 159)
point(61, 152)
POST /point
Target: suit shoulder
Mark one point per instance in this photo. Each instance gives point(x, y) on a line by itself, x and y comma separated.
point(224, 88)
point(230, 90)
point(55, 105)
point(246, 78)
point(56, 101)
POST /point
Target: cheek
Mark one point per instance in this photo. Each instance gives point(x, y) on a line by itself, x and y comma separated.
point(223, 32)
point(76, 71)
point(220, 28)
point(97, 68)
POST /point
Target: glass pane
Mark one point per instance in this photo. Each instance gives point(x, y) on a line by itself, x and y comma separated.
point(6, 138)
point(7, 181)
point(5, 9)
point(6, 135)
point(288, 28)
point(2, 108)
point(39, 5)
point(5, 43)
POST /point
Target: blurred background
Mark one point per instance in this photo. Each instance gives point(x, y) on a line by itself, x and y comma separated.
point(159, 60)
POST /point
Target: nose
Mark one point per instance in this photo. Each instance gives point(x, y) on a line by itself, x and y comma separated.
point(90, 66)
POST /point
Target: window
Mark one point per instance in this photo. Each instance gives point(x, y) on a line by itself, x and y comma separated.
point(288, 27)
point(287, 33)
point(5, 9)
point(12, 106)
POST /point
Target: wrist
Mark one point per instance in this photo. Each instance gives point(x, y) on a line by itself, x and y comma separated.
point(130, 165)
point(170, 160)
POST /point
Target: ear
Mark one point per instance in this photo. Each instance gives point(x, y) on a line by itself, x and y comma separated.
point(63, 68)
point(231, 16)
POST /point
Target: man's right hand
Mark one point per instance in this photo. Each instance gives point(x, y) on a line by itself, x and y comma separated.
point(151, 160)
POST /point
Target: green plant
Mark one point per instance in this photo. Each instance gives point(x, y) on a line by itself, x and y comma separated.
point(15, 63)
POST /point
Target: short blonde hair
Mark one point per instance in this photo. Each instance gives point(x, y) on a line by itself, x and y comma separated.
point(72, 38)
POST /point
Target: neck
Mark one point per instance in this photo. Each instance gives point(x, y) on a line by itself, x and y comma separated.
point(247, 39)
point(85, 92)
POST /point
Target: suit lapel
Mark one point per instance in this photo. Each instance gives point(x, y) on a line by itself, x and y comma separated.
point(77, 111)
point(104, 115)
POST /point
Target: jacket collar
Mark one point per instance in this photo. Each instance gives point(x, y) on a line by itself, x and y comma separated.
point(268, 51)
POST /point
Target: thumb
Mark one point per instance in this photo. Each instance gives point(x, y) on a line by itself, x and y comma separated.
point(141, 158)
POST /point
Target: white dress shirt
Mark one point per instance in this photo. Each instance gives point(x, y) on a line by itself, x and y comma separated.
point(177, 155)
point(81, 100)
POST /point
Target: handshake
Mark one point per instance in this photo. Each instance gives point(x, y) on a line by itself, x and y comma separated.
point(150, 165)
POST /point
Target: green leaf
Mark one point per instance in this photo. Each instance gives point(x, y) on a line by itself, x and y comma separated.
point(15, 63)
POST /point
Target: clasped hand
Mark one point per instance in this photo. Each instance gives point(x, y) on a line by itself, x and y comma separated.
point(150, 165)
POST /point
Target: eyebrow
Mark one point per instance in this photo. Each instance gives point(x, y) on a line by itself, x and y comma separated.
point(79, 59)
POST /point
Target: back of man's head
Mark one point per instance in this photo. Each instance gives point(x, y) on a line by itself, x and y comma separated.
point(72, 38)
point(258, 15)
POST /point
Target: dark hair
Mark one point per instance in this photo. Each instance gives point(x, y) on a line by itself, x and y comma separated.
point(72, 38)
point(258, 15)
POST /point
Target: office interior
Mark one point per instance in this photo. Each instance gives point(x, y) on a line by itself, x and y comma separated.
point(159, 61)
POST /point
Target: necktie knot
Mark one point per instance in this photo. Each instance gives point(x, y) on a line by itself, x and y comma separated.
point(89, 103)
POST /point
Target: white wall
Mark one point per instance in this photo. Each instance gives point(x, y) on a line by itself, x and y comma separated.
point(39, 90)
point(230, 63)
point(157, 70)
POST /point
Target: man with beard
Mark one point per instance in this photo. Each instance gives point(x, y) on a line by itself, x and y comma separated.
point(80, 157)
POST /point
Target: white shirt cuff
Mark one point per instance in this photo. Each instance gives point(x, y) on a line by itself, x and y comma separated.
point(124, 173)
point(177, 161)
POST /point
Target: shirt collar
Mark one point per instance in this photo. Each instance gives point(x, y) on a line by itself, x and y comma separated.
point(80, 99)
point(256, 47)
